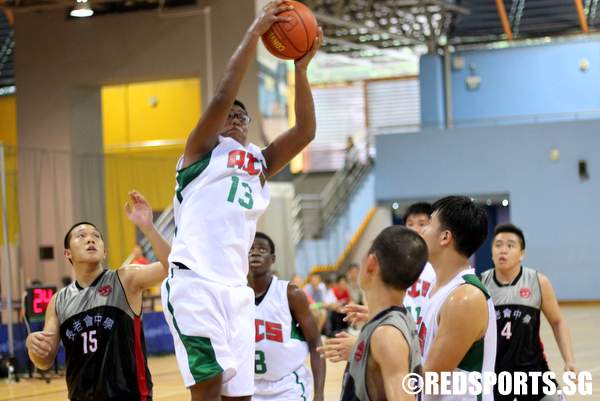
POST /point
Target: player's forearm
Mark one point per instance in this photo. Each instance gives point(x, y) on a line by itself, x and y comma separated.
point(159, 244)
point(563, 339)
point(318, 367)
point(304, 107)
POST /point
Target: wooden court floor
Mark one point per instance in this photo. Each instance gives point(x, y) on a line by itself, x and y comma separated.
point(584, 322)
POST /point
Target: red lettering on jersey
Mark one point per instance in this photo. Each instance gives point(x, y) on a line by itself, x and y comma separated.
point(422, 334)
point(274, 332)
point(237, 158)
point(244, 161)
point(413, 292)
point(258, 336)
point(425, 286)
point(251, 165)
point(360, 351)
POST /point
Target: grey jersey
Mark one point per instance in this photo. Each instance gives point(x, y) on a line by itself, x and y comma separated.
point(355, 378)
point(104, 342)
point(517, 306)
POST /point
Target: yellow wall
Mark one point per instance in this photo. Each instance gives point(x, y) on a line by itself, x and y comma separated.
point(8, 136)
point(134, 115)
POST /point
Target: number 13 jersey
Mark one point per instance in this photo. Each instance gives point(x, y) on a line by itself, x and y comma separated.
point(218, 200)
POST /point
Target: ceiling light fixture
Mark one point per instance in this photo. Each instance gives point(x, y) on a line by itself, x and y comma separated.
point(82, 9)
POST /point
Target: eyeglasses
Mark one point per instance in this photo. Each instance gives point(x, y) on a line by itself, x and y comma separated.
point(261, 250)
point(242, 117)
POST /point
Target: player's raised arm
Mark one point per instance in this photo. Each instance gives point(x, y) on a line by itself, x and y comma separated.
point(204, 135)
point(290, 143)
point(300, 311)
point(463, 321)
point(385, 342)
point(42, 346)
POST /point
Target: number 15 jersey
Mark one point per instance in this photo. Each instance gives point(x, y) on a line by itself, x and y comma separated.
point(218, 200)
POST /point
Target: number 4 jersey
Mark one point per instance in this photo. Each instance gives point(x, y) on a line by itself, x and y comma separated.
point(218, 200)
point(518, 320)
point(104, 342)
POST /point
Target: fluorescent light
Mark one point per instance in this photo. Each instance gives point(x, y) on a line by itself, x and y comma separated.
point(82, 9)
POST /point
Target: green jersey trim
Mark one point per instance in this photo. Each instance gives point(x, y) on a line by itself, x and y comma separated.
point(189, 173)
point(202, 360)
point(473, 280)
point(473, 360)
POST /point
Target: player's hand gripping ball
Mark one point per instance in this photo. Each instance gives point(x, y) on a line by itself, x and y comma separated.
point(292, 39)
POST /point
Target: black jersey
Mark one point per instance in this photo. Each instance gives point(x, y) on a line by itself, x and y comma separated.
point(104, 342)
point(517, 307)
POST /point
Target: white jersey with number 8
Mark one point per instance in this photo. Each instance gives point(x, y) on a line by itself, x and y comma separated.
point(218, 200)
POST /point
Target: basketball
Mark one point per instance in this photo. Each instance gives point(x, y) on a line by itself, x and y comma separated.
point(292, 40)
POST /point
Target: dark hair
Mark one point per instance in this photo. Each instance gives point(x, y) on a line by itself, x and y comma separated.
point(240, 104)
point(466, 220)
point(353, 265)
point(340, 277)
point(402, 255)
point(266, 238)
point(417, 208)
point(510, 228)
point(68, 235)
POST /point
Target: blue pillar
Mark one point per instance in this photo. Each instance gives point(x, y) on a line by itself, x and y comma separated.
point(431, 81)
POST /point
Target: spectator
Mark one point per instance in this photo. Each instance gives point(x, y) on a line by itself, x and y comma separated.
point(138, 256)
point(316, 293)
point(356, 295)
point(342, 298)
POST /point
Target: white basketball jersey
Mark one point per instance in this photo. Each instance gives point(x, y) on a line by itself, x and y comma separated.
point(280, 345)
point(217, 203)
point(417, 295)
point(482, 354)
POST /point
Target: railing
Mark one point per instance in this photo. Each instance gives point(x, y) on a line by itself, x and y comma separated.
point(314, 212)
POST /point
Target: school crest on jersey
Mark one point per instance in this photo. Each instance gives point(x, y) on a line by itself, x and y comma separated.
point(525, 292)
point(105, 290)
point(360, 351)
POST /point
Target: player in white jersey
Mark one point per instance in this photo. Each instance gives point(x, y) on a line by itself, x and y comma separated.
point(220, 194)
point(416, 217)
point(338, 349)
point(285, 333)
point(458, 330)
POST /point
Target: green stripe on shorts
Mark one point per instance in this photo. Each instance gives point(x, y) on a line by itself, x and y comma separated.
point(301, 385)
point(201, 355)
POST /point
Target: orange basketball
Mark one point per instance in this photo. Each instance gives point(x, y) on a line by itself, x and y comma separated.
point(292, 40)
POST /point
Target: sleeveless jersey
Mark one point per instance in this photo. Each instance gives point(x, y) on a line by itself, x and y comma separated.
point(280, 345)
point(416, 295)
point(355, 382)
point(218, 200)
point(518, 321)
point(482, 354)
point(104, 342)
